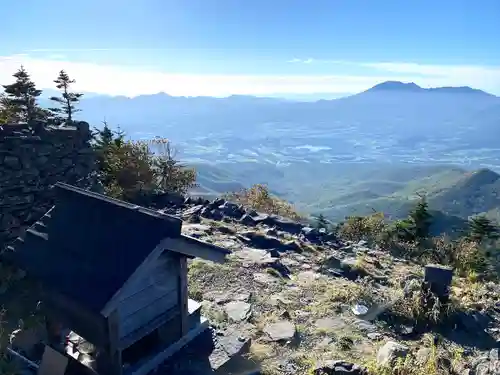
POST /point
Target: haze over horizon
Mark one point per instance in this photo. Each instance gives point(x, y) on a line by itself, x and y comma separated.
point(222, 47)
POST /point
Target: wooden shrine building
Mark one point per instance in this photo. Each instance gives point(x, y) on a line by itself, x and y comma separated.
point(115, 274)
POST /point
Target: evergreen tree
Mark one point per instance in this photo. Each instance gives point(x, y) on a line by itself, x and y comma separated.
point(421, 219)
point(106, 137)
point(321, 222)
point(482, 228)
point(67, 100)
point(21, 97)
point(6, 110)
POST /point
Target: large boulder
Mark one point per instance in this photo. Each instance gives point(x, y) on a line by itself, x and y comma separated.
point(390, 352)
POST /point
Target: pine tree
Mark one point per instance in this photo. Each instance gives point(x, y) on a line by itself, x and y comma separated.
point(21, 97)
point(482, 228)
point(321, 222)
point(421, 219)
point(106, 137)
point(67, 100)
point(6, 110)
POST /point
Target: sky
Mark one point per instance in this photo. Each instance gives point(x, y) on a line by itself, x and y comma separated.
point(251, 47)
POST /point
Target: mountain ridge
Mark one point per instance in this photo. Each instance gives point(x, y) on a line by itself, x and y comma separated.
point(398, 86)
point(298, 97)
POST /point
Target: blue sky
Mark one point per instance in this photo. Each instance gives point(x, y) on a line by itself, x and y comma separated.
point(223, 47)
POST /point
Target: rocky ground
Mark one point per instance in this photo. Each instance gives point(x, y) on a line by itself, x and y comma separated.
point(296, 300)
point(302, 301)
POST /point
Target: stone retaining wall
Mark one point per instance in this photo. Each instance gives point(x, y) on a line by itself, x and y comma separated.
point(31, 163)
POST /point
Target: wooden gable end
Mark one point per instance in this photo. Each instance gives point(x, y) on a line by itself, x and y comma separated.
point(151, 297)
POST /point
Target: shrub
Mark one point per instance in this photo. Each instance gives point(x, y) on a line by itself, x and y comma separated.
point(465, 255)
point(127, 169)
point(370, 228)
point(258, 198)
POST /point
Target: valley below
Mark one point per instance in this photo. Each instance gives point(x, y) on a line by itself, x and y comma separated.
point(373, 151)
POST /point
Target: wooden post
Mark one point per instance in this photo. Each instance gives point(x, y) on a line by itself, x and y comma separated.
point(54, 332)
point(183, 295)
point(113, 350)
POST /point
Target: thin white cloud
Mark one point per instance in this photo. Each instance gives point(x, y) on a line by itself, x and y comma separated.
point(132, 81)
point(71, 49)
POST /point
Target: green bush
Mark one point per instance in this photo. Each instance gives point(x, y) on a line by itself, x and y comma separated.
point(127, 169)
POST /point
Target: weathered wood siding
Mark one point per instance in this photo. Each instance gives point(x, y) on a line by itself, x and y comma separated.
point(150, 296)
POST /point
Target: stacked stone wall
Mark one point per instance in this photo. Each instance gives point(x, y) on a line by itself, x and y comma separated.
point(31, 163)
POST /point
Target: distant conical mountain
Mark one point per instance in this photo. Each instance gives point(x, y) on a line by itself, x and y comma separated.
point(396, 86)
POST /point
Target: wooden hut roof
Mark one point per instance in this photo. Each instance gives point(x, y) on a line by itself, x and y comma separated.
point(88, 245)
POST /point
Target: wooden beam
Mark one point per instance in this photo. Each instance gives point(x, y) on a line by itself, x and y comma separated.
point(157, 359)
point(185, 245)
point(193, 247)
point(183, 295)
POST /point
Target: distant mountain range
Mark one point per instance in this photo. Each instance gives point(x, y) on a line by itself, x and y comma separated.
point(454, 194)
point(412, 87)
point(368, 151)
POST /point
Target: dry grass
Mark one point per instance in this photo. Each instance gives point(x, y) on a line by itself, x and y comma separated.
point(325, 295)
point(438, 360)
point(259, 198)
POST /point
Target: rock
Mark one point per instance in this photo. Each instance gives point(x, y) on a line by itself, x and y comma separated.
point(212, 214)
point(392, 350)
point(231, 210)
point(255, 256)
point(494, 354)
point(219, 298)
point(243, 296)
point(483, 366)
point(272, 232)
point(330, 324)
point(359, 309)
point(279, 300)
point(234, 344)
point(247, 220)
point(375, 336)
point(340, 368)
point(196, 230)
point(26, 340)
point(280, 331)
point(196, 210)
point(259, 240)
point(423, 355)
point(311, 234)
point(365, 326)
point(216, 203)
point(226, 230)
point(238, 311)
point(343, 268)
point(283, 224)
point(307, 276)
point(264, 278)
